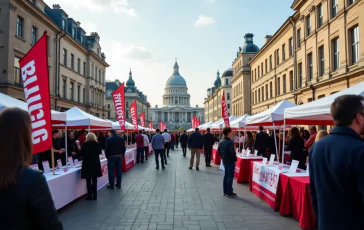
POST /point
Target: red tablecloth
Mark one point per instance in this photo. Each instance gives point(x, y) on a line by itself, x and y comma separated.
point(296, 200)
point(215, 157)
point(242, 169)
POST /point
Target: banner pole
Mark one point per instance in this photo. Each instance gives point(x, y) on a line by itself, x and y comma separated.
point(53, 169)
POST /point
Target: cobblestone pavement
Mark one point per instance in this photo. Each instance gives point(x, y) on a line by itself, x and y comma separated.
point(175, 198)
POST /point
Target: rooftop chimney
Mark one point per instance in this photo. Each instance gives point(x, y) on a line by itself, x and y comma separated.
point(78, 24)
point(56, 7)
point(267, 38)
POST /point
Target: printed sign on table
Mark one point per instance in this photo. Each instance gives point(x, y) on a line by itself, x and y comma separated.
point(70, 160)
point(129, 160)
point(271, 159)
point(294, 166)
point(265, 182)
point(46, 168)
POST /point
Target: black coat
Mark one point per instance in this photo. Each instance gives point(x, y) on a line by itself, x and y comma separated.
point(261, 143)
point(28, 204)
point(91, 166)
point(227, 151)
point(114, 146)
point(336, 165)
point(208, 141)
point(184, 140)
point(296, 146)
point(195, 141)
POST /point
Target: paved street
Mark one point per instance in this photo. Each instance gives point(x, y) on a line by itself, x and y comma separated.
point(176, 198)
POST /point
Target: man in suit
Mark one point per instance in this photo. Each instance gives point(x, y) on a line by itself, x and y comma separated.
point(114, 150)
point(184, 140)
point(208, 142)
point(336, 167)
point(261, 142)
point(195, 143)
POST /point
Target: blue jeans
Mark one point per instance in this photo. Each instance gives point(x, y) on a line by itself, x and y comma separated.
point(229, 177)
point(158, 152)
point(112, 163)
point(140, 154)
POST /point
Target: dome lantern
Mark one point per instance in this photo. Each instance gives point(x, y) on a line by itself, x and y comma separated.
point(130, 82)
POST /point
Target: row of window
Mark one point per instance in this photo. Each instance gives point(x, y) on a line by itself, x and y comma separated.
point(96, 73)
point(20, 30)
point(97, 98)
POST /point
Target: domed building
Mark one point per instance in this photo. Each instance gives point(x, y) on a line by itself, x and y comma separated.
point(214, 95)
point(131, 94)
point(176, 111)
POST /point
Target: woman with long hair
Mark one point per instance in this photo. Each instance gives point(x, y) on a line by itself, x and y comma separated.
point(91, 166)
point(321, 134)
point(249, 141)
point(26, 202)
point(296, 145)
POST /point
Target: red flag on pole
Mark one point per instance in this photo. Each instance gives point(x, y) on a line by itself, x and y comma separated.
point(161, 125)
point(142, 119)
point(134, 116)
point(118, 97)
point(224, 111)
point(151, 125)
point(34, 72)
point(198, 123)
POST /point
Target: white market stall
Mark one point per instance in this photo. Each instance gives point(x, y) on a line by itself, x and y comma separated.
point(220, 124)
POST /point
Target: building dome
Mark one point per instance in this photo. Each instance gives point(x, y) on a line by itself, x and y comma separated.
point(217, 82)
point(130, 82)
point(249, 46)
point(176, 80)
point(227, 73)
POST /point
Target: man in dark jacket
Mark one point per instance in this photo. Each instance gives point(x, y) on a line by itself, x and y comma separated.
point(114, 150)
point(195, 143)
point(184, 141)
point(261, 142)
point(336, 166)
point(208, 142)
point(227, 152)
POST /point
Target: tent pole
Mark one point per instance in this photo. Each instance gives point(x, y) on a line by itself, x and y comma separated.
point(244, 136)
point(239, 136)
point(284, 138)
point(66, 137)
point(275, 140)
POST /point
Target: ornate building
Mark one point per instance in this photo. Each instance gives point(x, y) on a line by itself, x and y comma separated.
point(214, 95)
point(77, 66)
point(240, 80)
point(176, 111)
point(131, 94)
point(315, 53)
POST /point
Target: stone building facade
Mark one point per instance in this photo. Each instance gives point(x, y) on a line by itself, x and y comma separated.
point(212, 102)
point(77, 66)
point(176, 111)
point(131, 94)
point(315, 53)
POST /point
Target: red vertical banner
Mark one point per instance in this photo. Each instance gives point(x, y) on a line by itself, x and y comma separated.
point(34, 73)
point(142, 119)
point(224, 111)
point(118, 97)
point(134, 115)
point(161, 125)
point(198, 123)
point(151, 125)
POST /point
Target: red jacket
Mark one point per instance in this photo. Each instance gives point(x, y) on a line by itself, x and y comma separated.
point(139, 139)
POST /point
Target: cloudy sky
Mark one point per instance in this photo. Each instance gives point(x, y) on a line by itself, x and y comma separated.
point(147, 36)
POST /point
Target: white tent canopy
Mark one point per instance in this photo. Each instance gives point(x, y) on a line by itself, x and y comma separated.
point(239, 122)
point(204, 126)
point(220, 124)
point(10, 102)
point(318, 112)
point(78, 119)
point(273, 116)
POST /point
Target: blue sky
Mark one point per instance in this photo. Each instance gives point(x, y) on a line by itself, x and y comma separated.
point(147, 36)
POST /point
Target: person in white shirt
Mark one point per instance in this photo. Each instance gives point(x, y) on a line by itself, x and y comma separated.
point(240, 141)
point(167, 140)
point(146, 145)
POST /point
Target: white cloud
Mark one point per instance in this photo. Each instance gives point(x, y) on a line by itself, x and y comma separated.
point(204, 21)
point(89, 27)
point(97, 6)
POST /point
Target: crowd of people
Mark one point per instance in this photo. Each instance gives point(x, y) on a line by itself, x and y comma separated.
point(335, 158)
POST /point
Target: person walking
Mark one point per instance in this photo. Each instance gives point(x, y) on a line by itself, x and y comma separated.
point(146, 145)
point(228, 155)
point(261, 142)
point(171, 146)
point(336, 168)
point(25, 198)
point(158, 146)
point(208, 143)
point(184, 141)
point(114, 150)
point(139, 139)
point(167, 140)
point(195, 144)
point(91, 166)
point(176, 139)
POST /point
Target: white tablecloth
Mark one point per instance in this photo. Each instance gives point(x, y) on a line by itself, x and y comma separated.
point(68, 186)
